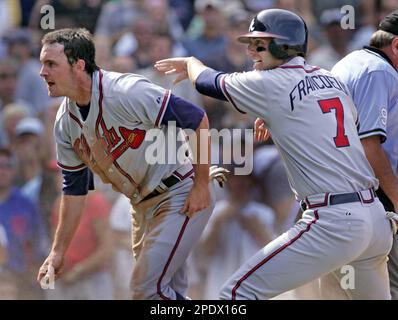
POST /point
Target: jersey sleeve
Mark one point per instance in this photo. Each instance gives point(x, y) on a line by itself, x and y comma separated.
point(371, 100)
point(67, 159)
point(147, 101)
point(243, 90)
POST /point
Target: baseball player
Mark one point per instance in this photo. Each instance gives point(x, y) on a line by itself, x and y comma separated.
point(312, 120)
point(101, 128)
point(371, 77)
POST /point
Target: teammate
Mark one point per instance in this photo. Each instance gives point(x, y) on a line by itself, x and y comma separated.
point(101, 126)
point(311, 118)
point(371, 77)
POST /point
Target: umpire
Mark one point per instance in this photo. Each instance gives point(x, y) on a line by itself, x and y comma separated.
point(371, 76)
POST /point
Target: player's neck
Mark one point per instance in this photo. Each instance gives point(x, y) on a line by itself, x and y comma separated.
point(83, 90)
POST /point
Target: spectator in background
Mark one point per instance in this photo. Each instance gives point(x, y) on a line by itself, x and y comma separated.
point(8, 287)
point(28, 152)
point(69, 13)
point(9, 118)
point(237, 229)
point(234, 58)
point(161, 48)
point(27, 243)
point(272, 187)
point(211, 44)
point(8, 82)
point(117, 16)
point(123, 64)
point(29, 86)
point(184, 10)
point(336, 47)
point(143, 30)
point(164, 18)
point(36, 174)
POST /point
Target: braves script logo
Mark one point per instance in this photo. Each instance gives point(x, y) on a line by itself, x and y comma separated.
point(101, 152)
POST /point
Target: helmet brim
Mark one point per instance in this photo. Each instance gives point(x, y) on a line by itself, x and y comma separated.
point(245, 38)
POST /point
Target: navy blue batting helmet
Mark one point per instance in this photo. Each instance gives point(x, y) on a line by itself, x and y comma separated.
point(288, 31)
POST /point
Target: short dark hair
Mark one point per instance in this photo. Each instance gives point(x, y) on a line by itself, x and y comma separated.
point(78, 44)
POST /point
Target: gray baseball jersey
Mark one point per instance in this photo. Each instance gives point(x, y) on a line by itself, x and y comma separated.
point(124, 110)
point(312, 121)
point(330, 157)
point(111, 141)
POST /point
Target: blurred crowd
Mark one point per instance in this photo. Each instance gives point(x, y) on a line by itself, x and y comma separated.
point(130, 35)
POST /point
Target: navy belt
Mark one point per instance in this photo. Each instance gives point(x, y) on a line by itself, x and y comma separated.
point(333, 199)
point(168, 182)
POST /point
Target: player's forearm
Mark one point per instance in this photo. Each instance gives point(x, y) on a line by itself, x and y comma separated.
point(382, 168)
point(194, 68)
point(71, 209)
point(202, 163)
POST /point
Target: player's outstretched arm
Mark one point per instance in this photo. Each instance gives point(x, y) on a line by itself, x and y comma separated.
point(184, 68)
point(71, 209)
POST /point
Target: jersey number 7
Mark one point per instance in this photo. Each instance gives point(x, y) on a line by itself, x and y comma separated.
point(340, 140)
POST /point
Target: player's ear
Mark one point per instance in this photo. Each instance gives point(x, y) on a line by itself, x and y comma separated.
point(80, 64)
point(395, 44)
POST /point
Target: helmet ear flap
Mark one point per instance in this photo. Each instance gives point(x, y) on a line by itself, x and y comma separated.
point(276, 51)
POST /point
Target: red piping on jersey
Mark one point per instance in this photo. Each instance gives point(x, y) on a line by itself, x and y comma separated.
point(80, 166)
point(227, 94)
point(165, 99)
point(179, 176)
point(248, 274)
point(300, 67)
point(99, 118)
point(76, 119)
point(99, 105)
point(158, 285)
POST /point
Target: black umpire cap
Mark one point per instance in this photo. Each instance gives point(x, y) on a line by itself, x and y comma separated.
point(390, 23)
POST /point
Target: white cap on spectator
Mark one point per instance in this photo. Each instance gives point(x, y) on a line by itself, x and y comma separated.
point(330, 16)
point(29, 125)
point(201, 5)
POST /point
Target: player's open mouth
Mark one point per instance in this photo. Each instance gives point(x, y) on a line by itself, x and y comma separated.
point(50, 84)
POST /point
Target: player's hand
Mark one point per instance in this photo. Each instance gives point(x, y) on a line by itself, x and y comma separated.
point(51, 267)
point(261, 133)
point(197, 200)
point(173, 66)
